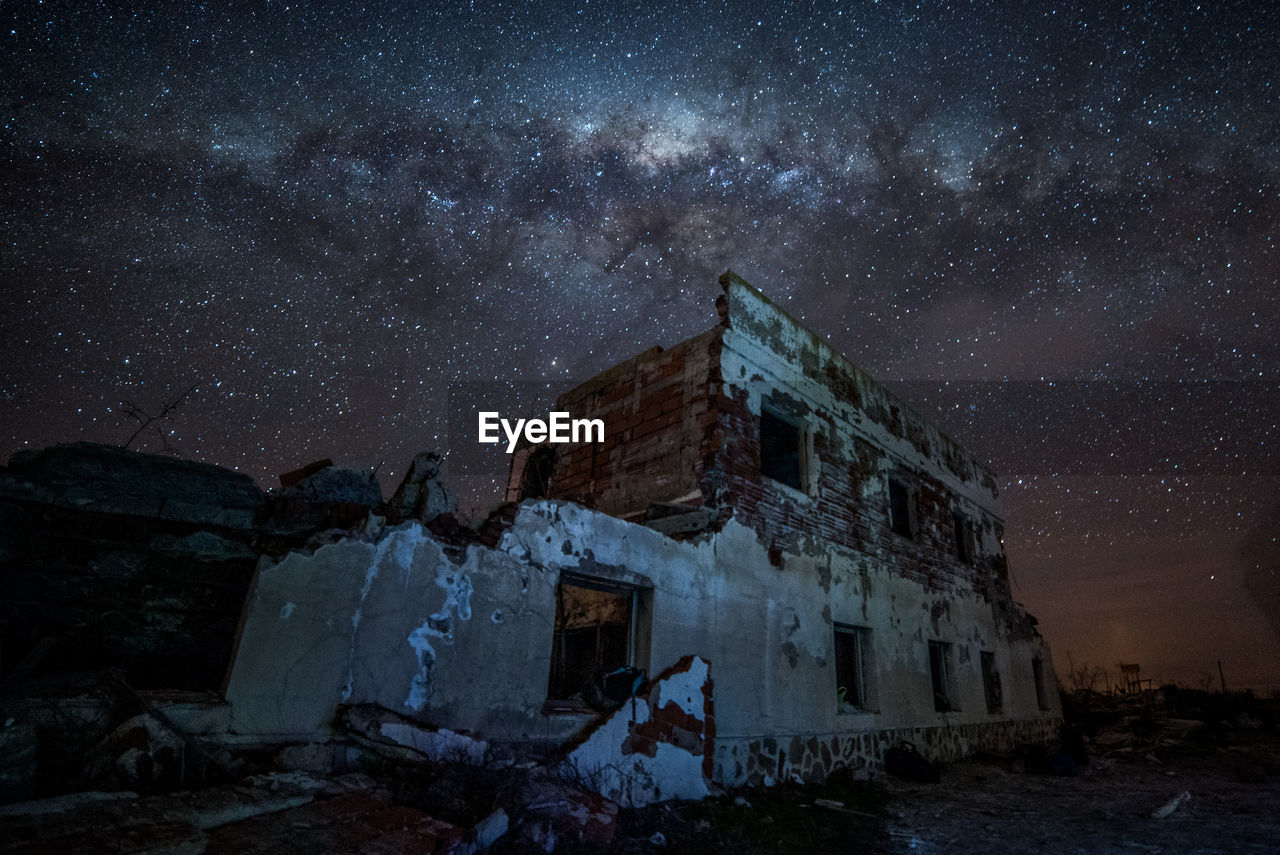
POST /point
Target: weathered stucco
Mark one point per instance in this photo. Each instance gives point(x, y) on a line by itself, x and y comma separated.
point(462, 637)
point(340, 626)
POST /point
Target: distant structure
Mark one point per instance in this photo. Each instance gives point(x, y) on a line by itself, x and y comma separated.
point(1131, 681)
point(811, 570)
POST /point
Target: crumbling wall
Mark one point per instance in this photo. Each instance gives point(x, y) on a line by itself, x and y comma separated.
point(658, 411)
point(463, 640)
point(402, 621)
point(110, 557)
point(859, 436)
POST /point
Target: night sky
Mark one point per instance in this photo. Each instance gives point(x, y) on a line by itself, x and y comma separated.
point(1050, 227)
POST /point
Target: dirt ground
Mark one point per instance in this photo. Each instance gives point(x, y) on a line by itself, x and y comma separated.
point(984, 806)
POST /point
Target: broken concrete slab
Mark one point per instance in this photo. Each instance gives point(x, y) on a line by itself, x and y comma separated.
point(489, 830)
point(142, 755)
point(1167, 809)
point(193, 713)
point(422, 494)
point(658, 746)
point(401, 737)
point(108, 479)
point(554, 812)
point(288, 479)
point(321, 496)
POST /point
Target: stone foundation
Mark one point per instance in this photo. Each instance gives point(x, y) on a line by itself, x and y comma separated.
point(812, 757)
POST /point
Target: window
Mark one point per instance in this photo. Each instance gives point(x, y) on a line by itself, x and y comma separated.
point(781, 450)
point(594, 635)
point(535, 480)
point(991, 682)
point(1037, 675)
point(853, 668)
point(901, 516)
point(940, 671)
point(964, 538)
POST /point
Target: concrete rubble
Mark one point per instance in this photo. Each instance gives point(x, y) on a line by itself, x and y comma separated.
point(422, 494)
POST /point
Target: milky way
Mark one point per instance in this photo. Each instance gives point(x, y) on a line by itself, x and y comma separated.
point(1052, 229)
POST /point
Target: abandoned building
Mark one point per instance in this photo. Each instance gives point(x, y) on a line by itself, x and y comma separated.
point(793, 568)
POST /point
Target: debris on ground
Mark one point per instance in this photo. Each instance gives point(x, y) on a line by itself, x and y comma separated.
point(385, 782)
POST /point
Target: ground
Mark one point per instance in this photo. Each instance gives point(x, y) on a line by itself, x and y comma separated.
point(989, 805)
point(1143, 755)
point(984, 806)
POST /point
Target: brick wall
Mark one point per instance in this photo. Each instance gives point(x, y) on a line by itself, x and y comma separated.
point(658, 412)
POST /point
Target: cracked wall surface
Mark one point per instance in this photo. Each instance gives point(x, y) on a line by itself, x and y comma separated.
point(339, 625)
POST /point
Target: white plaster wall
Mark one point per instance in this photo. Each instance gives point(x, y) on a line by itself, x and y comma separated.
point(346, 624)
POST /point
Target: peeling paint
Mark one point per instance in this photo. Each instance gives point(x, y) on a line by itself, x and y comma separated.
point(759, 592)
point(659, 747)
point(439, 625)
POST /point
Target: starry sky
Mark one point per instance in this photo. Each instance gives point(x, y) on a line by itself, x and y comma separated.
point(1051, 227)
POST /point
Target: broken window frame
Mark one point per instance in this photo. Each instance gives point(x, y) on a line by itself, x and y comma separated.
point(803, 443)
point(864, 695)
point(638, 610)
point(902, 521)
point(991, 684)
point(942, 676)
point(535, 473)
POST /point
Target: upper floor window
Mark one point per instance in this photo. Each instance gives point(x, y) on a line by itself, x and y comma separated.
point(535, 480)
point(1037, 676)
point(782, 450)
point(901, 507)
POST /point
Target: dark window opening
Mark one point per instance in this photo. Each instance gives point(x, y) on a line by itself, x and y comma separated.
point(780, 457)
point(852, 655)
point(593, 636)
point(900, 508)
point(964, 538)
point(940, 671)
point(991, 682)
point(1037, 675)
point(535, 480)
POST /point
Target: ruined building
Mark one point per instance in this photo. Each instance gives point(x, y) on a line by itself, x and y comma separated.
point(806, 570)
